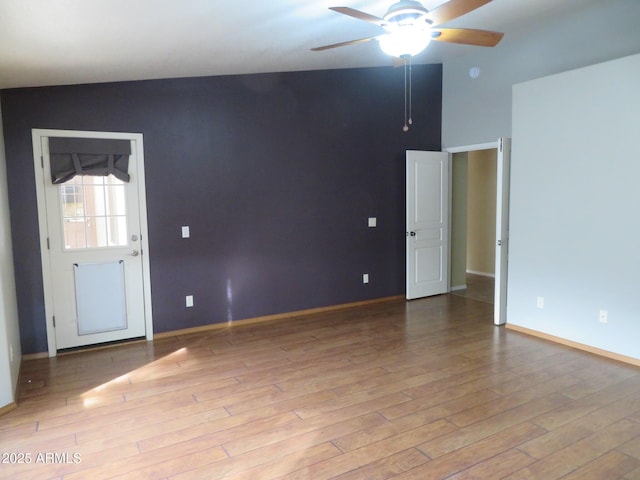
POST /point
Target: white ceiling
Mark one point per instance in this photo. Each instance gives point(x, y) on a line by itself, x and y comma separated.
point(54, 42)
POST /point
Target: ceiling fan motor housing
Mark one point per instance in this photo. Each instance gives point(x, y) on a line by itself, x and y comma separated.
point(407, 12)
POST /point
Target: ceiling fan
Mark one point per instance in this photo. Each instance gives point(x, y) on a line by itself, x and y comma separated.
point(410, 27)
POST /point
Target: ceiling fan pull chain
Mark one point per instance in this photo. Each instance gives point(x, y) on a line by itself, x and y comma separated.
point(410, 90)
point(406, 127)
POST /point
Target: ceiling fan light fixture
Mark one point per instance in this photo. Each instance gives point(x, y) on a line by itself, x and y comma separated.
point(405, 41)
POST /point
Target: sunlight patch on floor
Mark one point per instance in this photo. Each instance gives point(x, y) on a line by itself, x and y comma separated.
point(95, 396)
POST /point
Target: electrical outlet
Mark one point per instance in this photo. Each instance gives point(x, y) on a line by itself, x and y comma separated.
point(604, 316)
point(365, 278)
point(540, 302)
point(188, 300)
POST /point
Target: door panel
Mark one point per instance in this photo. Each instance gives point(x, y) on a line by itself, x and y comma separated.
point(427, 223)
point(428, 204)
point(428, 261)
point(100, 297)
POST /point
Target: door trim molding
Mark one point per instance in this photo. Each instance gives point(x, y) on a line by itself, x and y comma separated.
point(490, 146)
point(36, 135)
point(472, 148)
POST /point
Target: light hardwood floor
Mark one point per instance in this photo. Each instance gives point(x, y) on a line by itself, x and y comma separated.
point(428, 389)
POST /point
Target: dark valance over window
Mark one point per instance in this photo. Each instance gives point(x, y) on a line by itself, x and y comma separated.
point(88, 156)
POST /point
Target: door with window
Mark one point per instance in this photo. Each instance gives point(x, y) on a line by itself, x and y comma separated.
point(95, 280)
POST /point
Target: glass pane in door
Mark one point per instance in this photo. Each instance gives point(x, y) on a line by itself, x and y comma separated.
point(94, 212)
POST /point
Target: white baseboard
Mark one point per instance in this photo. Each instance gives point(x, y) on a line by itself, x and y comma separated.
point(459, 287)
point(483, 274)
point(572, 344)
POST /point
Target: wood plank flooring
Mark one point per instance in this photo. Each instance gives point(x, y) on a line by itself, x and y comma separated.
point(428, 389)
point(478, 287)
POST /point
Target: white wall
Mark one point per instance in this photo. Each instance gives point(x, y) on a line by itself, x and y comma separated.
point(9, 332)
point(574, 219)
point(479, 111)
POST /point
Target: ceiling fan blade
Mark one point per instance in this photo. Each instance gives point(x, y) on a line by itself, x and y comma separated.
point(343, 44)
point(360, 15)
point(453, 9)
point(467, 36)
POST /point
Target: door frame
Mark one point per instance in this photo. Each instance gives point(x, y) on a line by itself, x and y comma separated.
point(499, 278)
point(503, 184)
point(38, 163)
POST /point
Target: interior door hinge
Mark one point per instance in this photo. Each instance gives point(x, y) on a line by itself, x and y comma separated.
point(48, 244)
point(501, 145)
point(54, 321)
point(41, 161)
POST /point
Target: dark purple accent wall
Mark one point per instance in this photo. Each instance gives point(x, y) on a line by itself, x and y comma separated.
point(276, 175)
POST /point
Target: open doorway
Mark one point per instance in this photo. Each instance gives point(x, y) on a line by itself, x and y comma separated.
point(473, 223)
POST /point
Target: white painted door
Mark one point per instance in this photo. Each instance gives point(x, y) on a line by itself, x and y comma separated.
point(93, 265)
point(427, 223)
point(502, 231)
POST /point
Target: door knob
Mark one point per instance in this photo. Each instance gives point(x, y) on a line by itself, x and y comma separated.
point(134, 253)
point(134, 238)
point(413, 234)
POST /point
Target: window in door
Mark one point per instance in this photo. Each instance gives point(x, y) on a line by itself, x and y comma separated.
point(94, 212)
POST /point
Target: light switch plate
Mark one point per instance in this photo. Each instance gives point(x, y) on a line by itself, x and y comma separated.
point(188, 301)
point(373, 221)
point(185, 231)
